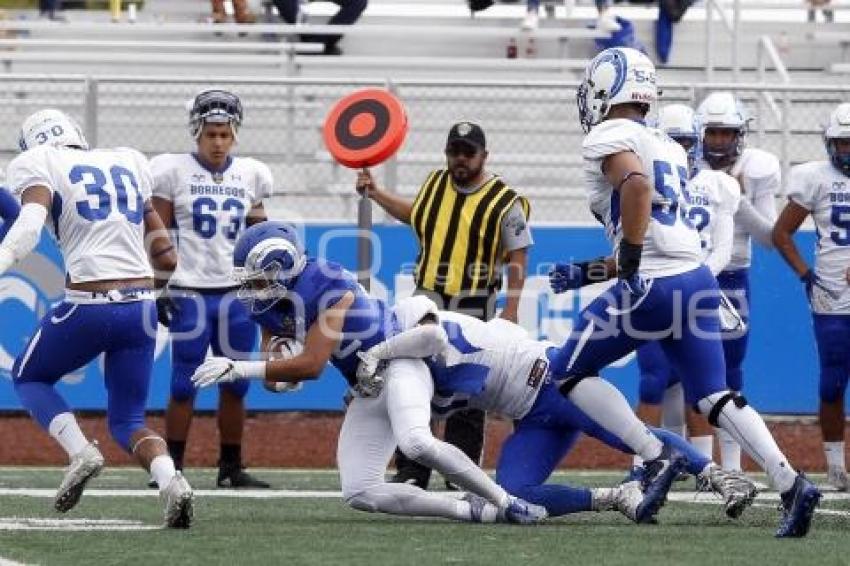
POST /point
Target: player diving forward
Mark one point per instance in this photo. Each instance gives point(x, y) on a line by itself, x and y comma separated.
point(99, 202)
point(322, 304)
point(822, 189)
point(712, 198)
point(635, 176)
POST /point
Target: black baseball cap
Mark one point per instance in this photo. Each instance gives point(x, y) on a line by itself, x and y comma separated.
point(467, 132)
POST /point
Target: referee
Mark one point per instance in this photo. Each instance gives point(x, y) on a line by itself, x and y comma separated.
point(471, 227)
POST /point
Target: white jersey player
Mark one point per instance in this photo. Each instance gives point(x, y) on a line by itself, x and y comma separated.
point(822, 189)
point(724, 127)
point(101, 215)
point(642, 172)
point(209, 197)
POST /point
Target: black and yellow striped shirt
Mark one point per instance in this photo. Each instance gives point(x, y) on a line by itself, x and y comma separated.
point(459, 234)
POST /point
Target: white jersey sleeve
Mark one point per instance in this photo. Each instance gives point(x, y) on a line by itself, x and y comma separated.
point(210, 210)
point(824, 191)
point(671, 244)
point(760, 175)
point(97, 208)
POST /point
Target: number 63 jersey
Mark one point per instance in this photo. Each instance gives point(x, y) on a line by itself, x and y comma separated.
point(210, 208)
point(97, 208)
point(824, 191)
point(671, 245)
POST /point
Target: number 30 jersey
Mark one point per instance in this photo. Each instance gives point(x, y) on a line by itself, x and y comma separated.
point(97, 208)
point(209, 212)
point(824, 191)
point(671, 245)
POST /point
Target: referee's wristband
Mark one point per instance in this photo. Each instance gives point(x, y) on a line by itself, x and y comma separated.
point(628, 259)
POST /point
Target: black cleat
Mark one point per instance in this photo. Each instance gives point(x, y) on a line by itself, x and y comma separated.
point(237, 477)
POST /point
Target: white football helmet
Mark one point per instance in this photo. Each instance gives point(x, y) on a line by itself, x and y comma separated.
point(721, 110)
point(620, 75)
point(838, 128)
point(51, 127)
point(679, 122)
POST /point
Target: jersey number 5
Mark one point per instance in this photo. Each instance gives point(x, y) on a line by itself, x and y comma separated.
point(841, 219)
point(96, 185)
point(667, 211)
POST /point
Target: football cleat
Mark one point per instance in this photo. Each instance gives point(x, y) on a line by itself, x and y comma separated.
point(659, 478)
point(480, 510)
point(522, 512)
point(837, 478)
point(84, 466)
point(626, 498)
point(179, 509)
point(798, 508)
point(235, 476)
point(736, 489)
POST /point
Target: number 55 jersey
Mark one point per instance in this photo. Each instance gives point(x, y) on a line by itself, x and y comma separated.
point(671, 245)
point(824, 191)
point(97, 210)
point(210, 207)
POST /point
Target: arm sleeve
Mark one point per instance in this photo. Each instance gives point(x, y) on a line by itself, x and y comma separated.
point(721, 238)
point(754, 222)
point(515, 233)
point(23, 235)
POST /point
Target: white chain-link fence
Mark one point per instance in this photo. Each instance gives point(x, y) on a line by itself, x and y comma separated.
point(532, 129)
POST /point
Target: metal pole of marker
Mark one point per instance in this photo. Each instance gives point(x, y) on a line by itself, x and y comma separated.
point(364, 241)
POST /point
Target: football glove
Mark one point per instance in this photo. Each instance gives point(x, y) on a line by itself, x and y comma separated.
point(370, 382)
point(571, 276)
point(166, 308)
point(223, 370)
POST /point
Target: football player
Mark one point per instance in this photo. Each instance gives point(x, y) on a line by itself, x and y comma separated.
point(724, 127)
point(208, 197)
point(496, 367)
point(635, 176)
point(9, 210)
point(101, 216)
point(712, 198)
point(822, 189)
point(321, 304)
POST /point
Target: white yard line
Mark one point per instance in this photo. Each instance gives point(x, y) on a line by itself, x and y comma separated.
point(34, 524)
point(7, 562)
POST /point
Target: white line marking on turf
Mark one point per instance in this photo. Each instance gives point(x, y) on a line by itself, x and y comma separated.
point(7, 562)
point(220, 493)
point(33, 524)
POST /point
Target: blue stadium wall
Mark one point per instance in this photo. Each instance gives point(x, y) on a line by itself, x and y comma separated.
point(781, 367)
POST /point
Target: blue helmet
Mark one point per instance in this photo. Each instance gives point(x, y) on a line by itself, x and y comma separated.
point(267, 259)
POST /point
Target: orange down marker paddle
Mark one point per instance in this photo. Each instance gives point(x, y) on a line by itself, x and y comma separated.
point(365, 128)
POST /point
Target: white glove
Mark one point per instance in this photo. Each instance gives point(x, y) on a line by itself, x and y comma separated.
point(369, 381)
point(283, 386)
point(224, 370)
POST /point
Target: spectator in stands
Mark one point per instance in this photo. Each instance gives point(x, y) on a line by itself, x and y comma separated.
point(241, 13)
point(349, 12)
point(47, 9)
point(815, 5)
point(468, 222)
point(605, 20)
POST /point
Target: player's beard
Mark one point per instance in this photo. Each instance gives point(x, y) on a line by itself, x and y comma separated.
point(463, 175)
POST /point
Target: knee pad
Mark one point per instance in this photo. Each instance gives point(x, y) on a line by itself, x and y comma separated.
point(416, 443)
point(122, 430)
point(833, 383)
point(238, 388)
point(713, 404)
point(182, 389)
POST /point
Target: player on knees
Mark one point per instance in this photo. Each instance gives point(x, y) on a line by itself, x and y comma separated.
point(109, 299)
point(712, 198)
point(820, 189)
point(724, 124)
point(208, 197)
point(321, 304)
point(635, 179)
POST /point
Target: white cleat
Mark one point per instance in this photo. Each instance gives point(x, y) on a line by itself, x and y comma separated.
point(84, 466)
point(837, 478)
point(736, 489)
point(627, 498)
point(178, 497)
point(480, 510)
point(522, 512)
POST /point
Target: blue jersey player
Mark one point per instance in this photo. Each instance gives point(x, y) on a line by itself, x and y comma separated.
point(635, 175)
point(322, 305)
point(98, 202)
point(822, 189)
point(208, 197)
point(9, 210)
